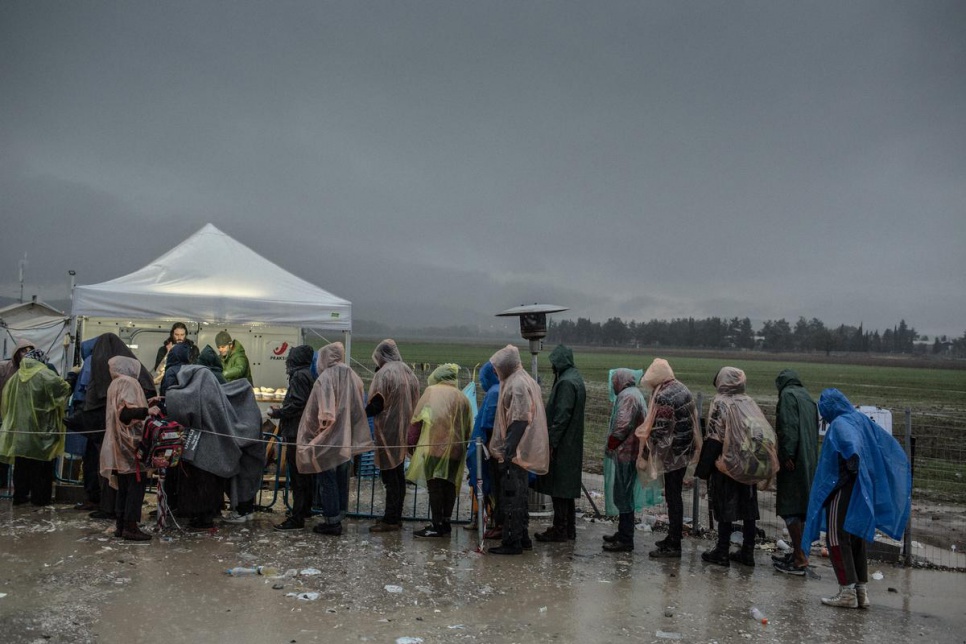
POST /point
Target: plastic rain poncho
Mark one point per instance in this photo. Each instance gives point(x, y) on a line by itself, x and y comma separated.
point(881, 498)
point(670, 435)
point(334, 427)
point(520, 399)
point(628, 410)
point(32, 406)
point(748, 454)
point(447, 421)
point(399, 388)
point(119, 451)
point(483, 425)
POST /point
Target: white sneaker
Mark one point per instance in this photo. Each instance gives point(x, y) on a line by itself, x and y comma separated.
point(845, 598)
point(862, 595)
point(234, 517)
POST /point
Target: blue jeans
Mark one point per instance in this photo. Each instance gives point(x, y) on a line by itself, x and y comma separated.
point(335, 493)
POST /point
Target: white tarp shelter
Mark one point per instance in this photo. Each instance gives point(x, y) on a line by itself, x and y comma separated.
point(214, 278)
point(43, 325)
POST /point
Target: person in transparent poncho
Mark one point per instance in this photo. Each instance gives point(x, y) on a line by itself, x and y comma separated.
point(441, 424)
point(670, 440)
point(628, 412)
point(738, 454)
point(127, 408)
point(333, 429)
point(520, 444)
point(393, 395)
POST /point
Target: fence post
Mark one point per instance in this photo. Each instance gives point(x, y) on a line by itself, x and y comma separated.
point(481, 522)
point(696, 487)
point(907, 538)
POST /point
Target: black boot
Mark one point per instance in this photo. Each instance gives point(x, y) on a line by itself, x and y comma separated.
point(745, 556)
point(132, 532)
point(718, 556)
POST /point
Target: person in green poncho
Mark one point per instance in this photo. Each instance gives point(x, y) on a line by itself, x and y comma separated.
point(32, 436)
point(441, 426)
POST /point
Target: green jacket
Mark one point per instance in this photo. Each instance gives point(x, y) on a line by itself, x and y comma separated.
point(796, 424)
point(235, 364)
point(565, 426)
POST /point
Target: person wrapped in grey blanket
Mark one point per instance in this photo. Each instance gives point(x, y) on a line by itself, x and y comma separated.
point(224, 432)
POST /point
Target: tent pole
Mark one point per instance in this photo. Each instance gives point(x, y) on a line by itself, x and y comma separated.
point(347, 341)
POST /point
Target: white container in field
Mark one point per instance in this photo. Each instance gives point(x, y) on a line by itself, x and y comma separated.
point(881, 417)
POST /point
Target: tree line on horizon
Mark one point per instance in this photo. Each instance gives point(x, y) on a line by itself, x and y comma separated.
point(805, 336)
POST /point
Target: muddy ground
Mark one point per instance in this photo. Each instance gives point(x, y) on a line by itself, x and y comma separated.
point(66, 579)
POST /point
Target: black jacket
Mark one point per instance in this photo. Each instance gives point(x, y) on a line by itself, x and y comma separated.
point(300, 383)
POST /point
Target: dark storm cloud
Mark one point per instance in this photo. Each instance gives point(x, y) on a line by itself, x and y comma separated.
point(438, 162)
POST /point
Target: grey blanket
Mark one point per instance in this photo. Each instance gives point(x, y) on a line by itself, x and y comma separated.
point(224, 428)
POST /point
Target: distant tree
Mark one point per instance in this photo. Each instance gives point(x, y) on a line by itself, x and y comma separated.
point(777, 335)
point(613, 333)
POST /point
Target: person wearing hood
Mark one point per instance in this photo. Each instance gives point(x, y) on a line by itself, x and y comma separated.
point(629, 411)
point(796, 424)
point(178, 357)
point(209, 358)
point(483, 429)
point(298, 368)
point(393, 395)
point(127, 408)
point(738, 454)
point(519, 444)
point(233, 359)
point(106, 346)
point(565, 427)
point(90, 461)
point(862, 484)
point(333, 429)
point(441, 425)
point(670, 439)
point(7, 369)
point(32, 436)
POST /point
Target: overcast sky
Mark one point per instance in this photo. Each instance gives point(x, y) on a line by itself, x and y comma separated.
point(437, 162)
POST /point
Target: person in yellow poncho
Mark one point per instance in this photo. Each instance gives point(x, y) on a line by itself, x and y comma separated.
point(444, 422)
point(32, 436)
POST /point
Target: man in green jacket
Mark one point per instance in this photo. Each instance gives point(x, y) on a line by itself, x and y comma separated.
point(233, 359)
point(796, 424)
point(565, 425)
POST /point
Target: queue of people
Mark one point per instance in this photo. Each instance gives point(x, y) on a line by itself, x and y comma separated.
point(860, 482)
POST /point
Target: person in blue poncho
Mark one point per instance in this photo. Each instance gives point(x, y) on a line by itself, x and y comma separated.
point(483, 428)
point(862, 483)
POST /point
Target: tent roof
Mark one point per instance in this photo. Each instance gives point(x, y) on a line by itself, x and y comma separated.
point(212, 277)
point(29, 315)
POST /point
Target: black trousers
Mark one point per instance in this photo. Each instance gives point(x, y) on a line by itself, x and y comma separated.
point(748, 534)
point(673, 487)
point(302, 486)
point(625, 527)
point(565, 515)
point(394, 481)
point(130, 497)
point(442, 498)
point(91, 464)
point(33, 479)
point(513, 501)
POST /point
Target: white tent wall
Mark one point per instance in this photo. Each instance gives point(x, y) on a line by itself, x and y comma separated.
point(44, 326)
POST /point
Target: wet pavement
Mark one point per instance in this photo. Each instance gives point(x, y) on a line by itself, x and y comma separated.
point(66, 579)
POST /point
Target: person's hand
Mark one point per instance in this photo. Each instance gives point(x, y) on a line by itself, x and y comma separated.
point(154, 400)
point(154, 410)
point(613, 443)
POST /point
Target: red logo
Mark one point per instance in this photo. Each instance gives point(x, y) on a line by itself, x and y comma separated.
point(282, 349)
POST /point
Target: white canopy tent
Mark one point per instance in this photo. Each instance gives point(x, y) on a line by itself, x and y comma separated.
point(43, 325)
point(214, 278)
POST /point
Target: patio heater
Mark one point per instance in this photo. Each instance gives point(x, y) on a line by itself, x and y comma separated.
point(533, 327)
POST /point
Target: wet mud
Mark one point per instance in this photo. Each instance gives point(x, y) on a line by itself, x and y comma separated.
point(67, 579)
